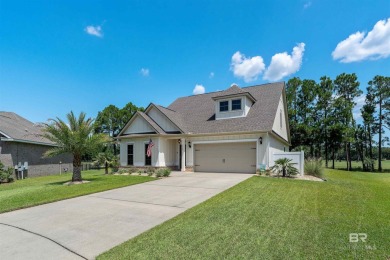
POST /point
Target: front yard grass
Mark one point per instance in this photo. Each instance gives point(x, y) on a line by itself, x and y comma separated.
point(271, 218)
point(35, 191)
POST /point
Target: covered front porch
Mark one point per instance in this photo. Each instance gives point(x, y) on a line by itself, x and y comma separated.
point(229, 153)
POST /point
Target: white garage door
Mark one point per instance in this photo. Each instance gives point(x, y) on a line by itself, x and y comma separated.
point(225, 157)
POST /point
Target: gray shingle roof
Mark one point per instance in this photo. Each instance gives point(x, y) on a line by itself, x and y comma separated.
point(231, 92)
point(20, 129)
point(199, 111)
point(176, 118)
point(234, 89)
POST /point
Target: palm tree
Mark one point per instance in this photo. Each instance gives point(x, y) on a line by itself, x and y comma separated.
point(285, 166)
point(105, 159)
point(75, 137)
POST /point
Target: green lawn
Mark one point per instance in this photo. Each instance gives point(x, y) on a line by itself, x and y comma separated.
point(35, 191)
point(342, 165)
point(270, 218)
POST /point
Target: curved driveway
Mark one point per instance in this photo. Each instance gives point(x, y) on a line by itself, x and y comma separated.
point(87, 226)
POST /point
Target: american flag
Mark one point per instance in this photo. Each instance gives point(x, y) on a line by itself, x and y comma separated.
point(149, 151)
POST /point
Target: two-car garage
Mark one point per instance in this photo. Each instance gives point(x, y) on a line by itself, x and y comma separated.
point(238, 157)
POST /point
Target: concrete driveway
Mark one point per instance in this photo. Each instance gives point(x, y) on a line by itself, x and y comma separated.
point(86, 226)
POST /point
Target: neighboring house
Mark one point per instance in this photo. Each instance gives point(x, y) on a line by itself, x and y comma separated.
point(235, 130)
point(21, 142)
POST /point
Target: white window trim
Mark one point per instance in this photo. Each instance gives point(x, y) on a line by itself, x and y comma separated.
point(127, 153)
point(230, 105)
point(231, 102)
point(151, 156)
point(219, 106)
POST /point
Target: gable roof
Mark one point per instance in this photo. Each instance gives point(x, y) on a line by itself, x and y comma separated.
point(147, 118)
point(196, 114)
point(153, 124)
point(176, 118)
point(16, 128)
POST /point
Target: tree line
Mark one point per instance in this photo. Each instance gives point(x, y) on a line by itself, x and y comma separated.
point(110, 122)
point(322, 121)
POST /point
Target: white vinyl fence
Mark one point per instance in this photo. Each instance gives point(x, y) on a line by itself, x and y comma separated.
point(297, 157)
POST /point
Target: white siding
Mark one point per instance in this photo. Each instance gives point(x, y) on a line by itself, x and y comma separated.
point(139, 151)
point(162, 120)
point(275, 146)
point(168, 152)
point(139, 125)
point(248, 105)
point(280, 116)
point(245, 106)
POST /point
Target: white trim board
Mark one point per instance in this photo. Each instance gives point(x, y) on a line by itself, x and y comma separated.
point(226, 141)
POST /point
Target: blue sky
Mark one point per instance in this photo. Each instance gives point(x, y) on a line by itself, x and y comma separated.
point(57, 56)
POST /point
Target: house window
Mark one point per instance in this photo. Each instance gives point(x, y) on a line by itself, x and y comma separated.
point(130, 154)
point(148, 160)
point(236, 104)
point(281, 119)
point(223, 106)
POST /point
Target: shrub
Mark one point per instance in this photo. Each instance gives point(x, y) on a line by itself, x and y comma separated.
point(6, 175)
point(150, 173)
point(159, 173)
point(122, 171)
point(166, 172)
point(284, 166)
point(150, 169)
point(132, 170)
point(313, 167)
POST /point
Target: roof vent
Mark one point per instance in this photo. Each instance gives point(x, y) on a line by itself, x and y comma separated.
point(26, 129)
point(234, 85)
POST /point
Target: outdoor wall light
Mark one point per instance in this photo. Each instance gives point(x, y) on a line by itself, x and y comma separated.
point(179, 141)
point(189, 144)
point(261, 140)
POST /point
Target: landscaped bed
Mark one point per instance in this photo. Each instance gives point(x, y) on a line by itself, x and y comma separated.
point(35, 191)
point(277, 218)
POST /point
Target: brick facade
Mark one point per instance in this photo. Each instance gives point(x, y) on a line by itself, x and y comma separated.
point(11, 153)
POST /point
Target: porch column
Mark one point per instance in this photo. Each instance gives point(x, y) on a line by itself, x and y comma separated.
point(183, 154)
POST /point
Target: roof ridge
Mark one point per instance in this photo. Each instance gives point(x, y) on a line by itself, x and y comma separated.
point(258, 85)
point(167, 108)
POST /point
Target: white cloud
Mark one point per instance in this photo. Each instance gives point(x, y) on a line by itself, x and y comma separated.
point(283, 64)
point(211, 75)
point(199, 89)
point(247, 68)
point(307, 5)
point(144, 72)
point(360, 101)
point(359, 46)
point(94, 30)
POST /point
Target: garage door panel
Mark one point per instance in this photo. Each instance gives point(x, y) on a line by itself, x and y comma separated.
point(226, 157)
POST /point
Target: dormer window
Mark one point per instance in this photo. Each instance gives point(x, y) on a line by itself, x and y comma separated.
point(223, 106)
point(236, 104)
point(232, 103)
